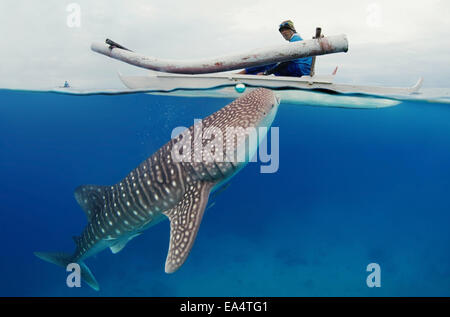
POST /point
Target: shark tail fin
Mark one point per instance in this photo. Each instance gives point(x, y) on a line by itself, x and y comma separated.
point(58, 258)
point(63, 259)
point(88, 277)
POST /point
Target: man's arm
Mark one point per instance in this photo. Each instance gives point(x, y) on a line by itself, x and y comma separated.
point(275, 68)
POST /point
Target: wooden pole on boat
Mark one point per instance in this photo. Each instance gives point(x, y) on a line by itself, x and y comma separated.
point(318, 35)
point(257, 57)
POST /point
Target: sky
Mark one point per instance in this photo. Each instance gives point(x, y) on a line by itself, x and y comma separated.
point(391, 42)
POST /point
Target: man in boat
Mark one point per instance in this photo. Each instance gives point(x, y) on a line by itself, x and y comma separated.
point(297, 68)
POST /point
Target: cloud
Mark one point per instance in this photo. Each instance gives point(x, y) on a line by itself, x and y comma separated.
point(390, 42)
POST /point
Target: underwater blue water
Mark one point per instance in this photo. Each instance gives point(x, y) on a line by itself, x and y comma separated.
point(353, 187)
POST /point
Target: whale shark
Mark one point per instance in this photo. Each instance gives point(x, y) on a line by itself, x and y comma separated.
point(175, 183)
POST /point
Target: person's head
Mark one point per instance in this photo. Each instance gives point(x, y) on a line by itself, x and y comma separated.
point(287, 29)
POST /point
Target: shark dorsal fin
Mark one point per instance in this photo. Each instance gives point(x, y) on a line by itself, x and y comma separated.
point(185, 220)
point(90, 198)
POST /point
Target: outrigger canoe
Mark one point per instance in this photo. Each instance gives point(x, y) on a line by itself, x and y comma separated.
point(213, 77)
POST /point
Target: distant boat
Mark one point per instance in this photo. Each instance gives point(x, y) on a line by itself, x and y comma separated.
point(66, 85)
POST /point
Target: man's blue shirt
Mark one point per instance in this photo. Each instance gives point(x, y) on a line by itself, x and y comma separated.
point(297, 67)
point(303, 63)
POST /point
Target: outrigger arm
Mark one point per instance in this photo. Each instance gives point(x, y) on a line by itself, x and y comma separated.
point(257, 57)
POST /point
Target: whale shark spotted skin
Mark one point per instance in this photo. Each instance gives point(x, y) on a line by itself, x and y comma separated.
point(163, 187)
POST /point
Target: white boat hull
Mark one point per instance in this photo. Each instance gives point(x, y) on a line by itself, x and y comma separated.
point(291, 89)
point(169, 82)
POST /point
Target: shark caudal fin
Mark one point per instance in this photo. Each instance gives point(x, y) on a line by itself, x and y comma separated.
point(63, 259)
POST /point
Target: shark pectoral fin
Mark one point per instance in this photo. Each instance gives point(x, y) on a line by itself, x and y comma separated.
point(185, 220)
point(117, 247)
